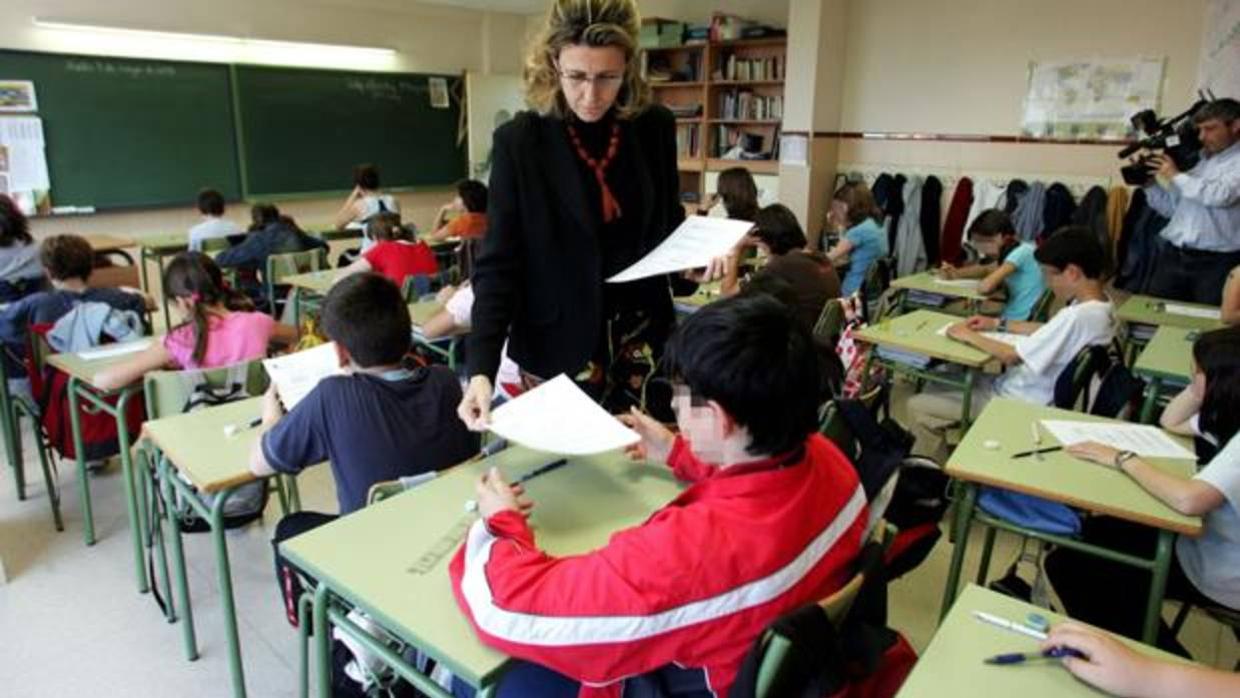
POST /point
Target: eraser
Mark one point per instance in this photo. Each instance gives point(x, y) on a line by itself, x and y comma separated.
point(471, 505)
point(991, 444)
point(230, 430)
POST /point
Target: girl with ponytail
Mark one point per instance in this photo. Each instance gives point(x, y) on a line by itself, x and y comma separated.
point(220, 326)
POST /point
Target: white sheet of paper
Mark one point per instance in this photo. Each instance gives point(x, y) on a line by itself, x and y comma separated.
point(1005, 337)
point(1191, 311)
point(557, 417)
point(691, 245)
point(959, 283)
point(23, 137)
point(107, 351)
point(1141, 439)
point(295, 375)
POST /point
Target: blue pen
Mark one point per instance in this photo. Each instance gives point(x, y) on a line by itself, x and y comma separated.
point(1048, 653)
point(541, 470)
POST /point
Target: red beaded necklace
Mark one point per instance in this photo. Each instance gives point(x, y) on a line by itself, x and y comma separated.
point(611, 207)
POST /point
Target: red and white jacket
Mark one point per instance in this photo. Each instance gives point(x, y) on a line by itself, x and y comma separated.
point(693, 586)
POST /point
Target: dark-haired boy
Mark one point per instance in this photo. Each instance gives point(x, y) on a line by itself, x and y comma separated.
point(471, 206)
point(380, 421)
point(1072, 262)
point(213, 225)
point(771, 520)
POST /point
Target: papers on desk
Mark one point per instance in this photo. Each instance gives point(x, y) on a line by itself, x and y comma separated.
point(970, 284)
point(295, 375)
point(1009, 338)
point(108, 351)
point(1192, 311)
point(693, 244)
point(558, 417)
point(1141, 439)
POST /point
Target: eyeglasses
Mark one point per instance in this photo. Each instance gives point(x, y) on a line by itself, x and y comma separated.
point(578, 79)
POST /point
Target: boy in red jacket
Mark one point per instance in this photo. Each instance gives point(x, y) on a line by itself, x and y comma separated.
point(771, 520)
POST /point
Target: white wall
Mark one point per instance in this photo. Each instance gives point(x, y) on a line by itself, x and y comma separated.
point(427, 39)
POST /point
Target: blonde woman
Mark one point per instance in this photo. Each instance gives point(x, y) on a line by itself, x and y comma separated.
point(582, 185)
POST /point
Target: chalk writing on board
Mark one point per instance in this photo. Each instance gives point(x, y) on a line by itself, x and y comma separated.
point(114, 69)
point(374, 88)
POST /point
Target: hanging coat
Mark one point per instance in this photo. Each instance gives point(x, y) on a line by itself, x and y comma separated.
point(931, 218)
point(909, 250)
point(1059, 209)
point(953, 224)
point(1028, 216)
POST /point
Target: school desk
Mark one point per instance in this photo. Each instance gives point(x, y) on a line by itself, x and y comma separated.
point(156, 248)
point(194, 445)
point(313, 284)
point(917, 332)
point(705, 294)
point(104, 245)
point(445, 347)
point(1144, 314)
point(405, 588)
point(952, 665)
point(1062, 478)
point(929, 282)
point(1166, 364)
point(80, 388)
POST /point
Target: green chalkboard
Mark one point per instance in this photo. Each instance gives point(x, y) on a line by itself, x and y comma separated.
point(303, 130)
point(123, 132)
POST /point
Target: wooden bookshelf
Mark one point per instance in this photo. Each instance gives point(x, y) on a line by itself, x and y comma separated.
point(715, 75)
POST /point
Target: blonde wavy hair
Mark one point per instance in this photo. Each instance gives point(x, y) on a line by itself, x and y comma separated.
point(596, 23)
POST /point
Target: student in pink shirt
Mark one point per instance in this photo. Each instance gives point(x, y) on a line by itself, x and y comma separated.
point(221, 326)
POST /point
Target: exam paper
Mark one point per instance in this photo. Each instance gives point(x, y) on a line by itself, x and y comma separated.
point(693, 244)
point(107, 351)
point(1191, 311)
point(1009, 338)
point(295, 375)
point(557, 417)
point(1141, 439)
point(959, 283)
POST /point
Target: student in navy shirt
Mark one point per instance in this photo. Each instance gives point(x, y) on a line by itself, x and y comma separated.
point(381, 420)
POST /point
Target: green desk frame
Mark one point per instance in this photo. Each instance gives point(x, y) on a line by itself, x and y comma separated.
point(156, 249)
point(927, 282)
point(1166, 365)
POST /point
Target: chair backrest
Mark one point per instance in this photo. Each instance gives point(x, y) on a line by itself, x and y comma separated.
point(212, 245)
point(286, 264)
point(833, 425)
point(415, 286)
point(168, 392)
point(1042, 309)
point(390, 488)
point(830, 322)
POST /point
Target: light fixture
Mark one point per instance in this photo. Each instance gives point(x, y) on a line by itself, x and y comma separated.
point(237, 41)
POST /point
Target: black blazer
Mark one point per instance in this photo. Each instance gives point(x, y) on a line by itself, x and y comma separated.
point(538, 279)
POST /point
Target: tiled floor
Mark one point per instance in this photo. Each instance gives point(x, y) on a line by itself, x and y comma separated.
point(72, 623)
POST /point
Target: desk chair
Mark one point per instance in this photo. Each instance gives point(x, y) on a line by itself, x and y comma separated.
point(775, 648)
point(1042, 309)
point(282, 266)
point(1229, 617)
point(15, 407)
point(417, 286)
point(830, 322)
point(877, 282)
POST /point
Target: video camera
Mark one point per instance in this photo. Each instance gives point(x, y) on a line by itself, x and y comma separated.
point(1176, 137)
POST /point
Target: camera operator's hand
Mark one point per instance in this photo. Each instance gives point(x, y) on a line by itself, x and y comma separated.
point(1164, 166)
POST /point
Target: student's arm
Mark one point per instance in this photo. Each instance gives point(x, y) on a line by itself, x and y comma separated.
point(291, 442)
point(985, 323)
point(1231, 298)
point(284, 335)
point(731, 283)
point(441, 324)
point(272, 412)
point(1178, 415)
point(657, 441)
point(132, 369)
point(359, 265)
point(348, 212)
point(839, 253)
point(1191, 497)
point(973, 271)
point(442, 228)
point(1121, 671)
point(994, 279)
point(1005, 353)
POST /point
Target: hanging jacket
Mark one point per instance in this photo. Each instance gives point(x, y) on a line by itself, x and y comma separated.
point(1092, 214)
point(931, 218)
point(1059, 209)
point(954, 222)
point(1028, 216)
point(1117, 206)
point(882, 189)
point(1012, 194)
point(1140, 244)
point(986, 195)
point(693, 585)
point(909, 250)
point(895, 208)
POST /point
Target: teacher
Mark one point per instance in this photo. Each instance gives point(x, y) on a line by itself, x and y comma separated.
point(582, 186)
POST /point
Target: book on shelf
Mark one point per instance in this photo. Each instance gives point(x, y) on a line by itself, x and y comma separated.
point(735, 68)
point(688, 141)
point(744, 105)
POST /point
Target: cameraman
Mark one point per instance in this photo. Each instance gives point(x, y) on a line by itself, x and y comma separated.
point(1204, 207)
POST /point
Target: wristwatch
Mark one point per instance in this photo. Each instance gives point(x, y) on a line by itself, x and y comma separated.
point(1123, 457)
point(1002, 326)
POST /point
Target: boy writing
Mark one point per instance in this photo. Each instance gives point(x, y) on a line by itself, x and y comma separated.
point(771, 520)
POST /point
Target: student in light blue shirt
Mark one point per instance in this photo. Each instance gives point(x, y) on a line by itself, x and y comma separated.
point(993, 234)
point(864, 240)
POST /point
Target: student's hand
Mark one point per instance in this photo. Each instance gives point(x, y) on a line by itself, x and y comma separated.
point(444, 294)
point(947, 271)
point(496, 495)
point(1110, 665)
point(273, 409)
point(1164, 166)
point(475, 407)
point(714, 271)
point(1093, 452)
point(981, 323)
point(356, 194)
point(961, 332)
point(656, 441)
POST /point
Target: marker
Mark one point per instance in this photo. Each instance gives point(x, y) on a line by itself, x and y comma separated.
point(1037, 439)
point(1037, 452)
point(1008, 625)
point(541, 470)
point(1048, 653)
point(232, 430)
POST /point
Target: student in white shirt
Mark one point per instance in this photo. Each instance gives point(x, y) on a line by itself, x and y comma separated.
point(1072, 262)
point(456, 318)
point(1206, 569)
point(213, 225)
point(365, 200)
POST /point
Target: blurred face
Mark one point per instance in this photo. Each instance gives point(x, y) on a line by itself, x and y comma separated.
point(700, 424)
point(590, 78)
point(838, 215)
point(1061, 283)
point(1217, 135)
point(988, 246)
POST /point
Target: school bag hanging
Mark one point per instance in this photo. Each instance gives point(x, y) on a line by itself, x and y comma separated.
point(851, 352)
